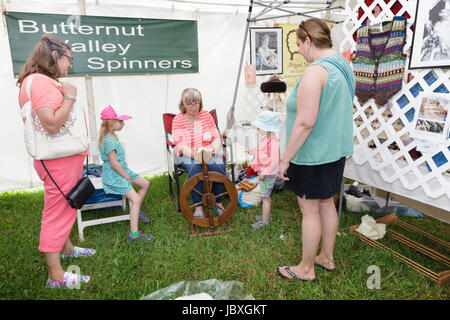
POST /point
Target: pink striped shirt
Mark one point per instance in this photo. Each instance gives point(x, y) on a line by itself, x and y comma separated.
point(201, 134)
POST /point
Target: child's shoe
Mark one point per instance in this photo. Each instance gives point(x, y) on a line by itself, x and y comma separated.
point(259, 218)
point(143, 217)
point(79, 252)
point(259, 224)
point(140, 236)
point(70, 280)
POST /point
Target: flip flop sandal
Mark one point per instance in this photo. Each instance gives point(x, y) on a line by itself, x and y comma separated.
point(326, 269)
point(199, 215)
point(291, 273)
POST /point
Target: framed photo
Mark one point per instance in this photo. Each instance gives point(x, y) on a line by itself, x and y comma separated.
point(266, 50)
point(431, 121)
point(431, 39)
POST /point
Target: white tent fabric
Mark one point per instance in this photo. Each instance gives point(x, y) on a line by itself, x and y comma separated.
point(221, 26)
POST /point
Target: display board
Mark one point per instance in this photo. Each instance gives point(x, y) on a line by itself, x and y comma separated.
point(388, 154)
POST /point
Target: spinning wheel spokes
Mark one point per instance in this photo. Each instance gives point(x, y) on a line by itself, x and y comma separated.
point(201, 194)
point(208, 199)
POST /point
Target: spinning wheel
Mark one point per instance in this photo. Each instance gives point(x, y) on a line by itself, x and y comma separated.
point(208, 200)
point(212, 219)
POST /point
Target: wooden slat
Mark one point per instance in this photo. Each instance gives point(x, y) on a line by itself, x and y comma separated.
point(420, 247)
point(409, 227)
point(425, 271)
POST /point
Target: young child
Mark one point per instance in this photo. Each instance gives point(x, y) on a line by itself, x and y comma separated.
point(117, 178)
point(266, 161)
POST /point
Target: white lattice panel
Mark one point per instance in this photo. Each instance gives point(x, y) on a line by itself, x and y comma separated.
point(392, 124)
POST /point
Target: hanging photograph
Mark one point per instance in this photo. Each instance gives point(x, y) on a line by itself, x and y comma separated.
point(431, 117)
point(431, 40)
point(266, 50)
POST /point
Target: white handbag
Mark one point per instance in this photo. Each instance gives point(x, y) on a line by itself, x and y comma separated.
point(71, 138)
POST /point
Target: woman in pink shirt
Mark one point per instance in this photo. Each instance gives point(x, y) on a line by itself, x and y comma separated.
point(52, 101)
point(194, 128)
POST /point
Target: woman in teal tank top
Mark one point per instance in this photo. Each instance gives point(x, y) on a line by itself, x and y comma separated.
point(319, 131)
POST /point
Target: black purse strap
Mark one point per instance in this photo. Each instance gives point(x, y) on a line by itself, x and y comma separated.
point(87, 165)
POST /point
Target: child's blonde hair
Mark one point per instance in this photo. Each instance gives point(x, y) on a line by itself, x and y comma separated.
point(105, 128)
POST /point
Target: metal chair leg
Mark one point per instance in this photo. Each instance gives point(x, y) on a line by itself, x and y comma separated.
point(177, 182)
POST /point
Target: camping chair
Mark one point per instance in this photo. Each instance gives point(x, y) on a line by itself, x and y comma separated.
point(174, 169)
point(100, 200)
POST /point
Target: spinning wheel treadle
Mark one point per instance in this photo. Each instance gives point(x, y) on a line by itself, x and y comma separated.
point(208, 200)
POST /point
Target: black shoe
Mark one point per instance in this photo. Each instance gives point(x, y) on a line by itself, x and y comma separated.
point(354, 191)
point(366, 193)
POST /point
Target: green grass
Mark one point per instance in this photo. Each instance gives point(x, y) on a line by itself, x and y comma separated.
point(123, 270)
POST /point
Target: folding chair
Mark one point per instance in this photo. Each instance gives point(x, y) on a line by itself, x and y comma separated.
point(100, 200)
point(174, 169)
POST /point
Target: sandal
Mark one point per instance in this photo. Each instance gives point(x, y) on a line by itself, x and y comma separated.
point(292, 274)
point(219, 211)
point(326, 269)
point(199, 214)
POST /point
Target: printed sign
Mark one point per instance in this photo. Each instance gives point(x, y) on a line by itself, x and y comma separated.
point(293, 63)
point(109, 45)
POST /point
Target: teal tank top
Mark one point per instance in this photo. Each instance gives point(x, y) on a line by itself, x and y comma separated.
point(331, 137)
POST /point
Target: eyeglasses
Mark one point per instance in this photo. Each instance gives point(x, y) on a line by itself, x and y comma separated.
point(193, 104)
point(70, 58)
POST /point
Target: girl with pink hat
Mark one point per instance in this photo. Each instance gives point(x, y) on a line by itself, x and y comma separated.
point(117, 178)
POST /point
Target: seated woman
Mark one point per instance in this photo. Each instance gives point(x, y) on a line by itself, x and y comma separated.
point(194, 128)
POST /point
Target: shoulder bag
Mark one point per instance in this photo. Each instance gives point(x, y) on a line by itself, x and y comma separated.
point(80, 193)
point(71, 138)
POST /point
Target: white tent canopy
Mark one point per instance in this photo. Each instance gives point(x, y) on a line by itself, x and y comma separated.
point(221, 26)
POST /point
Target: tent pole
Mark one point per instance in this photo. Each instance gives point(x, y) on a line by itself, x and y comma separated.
point(268, 7)
point(90, 95)
point(341, 195)
point(298, 2)
point(305, 14)
point(230, 115)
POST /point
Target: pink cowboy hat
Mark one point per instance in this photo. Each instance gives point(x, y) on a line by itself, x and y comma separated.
point(110, 113)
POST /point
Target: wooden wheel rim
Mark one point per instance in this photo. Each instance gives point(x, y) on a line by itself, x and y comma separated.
point(212, 177)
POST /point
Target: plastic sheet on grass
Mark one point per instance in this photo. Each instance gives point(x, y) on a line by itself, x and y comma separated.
point(217, 289)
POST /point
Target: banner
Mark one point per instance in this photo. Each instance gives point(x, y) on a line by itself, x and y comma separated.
point(108, 45)
point(293, 63)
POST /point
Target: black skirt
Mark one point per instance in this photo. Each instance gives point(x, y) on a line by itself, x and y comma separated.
point(316, 182)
